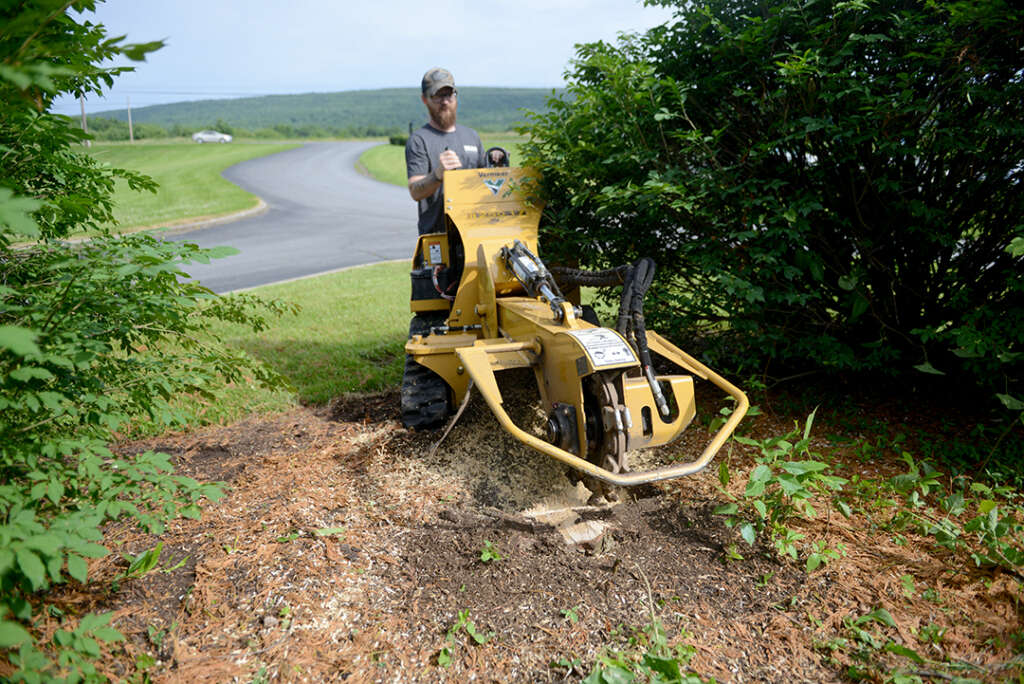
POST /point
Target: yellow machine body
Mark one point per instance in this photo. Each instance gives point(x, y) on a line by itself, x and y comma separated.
point(493, 324)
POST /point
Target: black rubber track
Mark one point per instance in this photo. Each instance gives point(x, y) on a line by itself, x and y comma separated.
point(426, 398)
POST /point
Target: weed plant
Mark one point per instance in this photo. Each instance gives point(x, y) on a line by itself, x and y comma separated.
point(779, 489)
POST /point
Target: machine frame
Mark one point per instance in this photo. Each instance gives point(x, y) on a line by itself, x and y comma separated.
point(601, 402)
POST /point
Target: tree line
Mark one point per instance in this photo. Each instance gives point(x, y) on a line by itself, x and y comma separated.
point(369, 113)
point(113, 130)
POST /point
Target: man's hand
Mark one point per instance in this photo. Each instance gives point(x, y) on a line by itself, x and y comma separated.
point(448, 161)
point(421, 187)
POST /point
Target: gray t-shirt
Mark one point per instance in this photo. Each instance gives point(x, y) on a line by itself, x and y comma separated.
point(421, 153)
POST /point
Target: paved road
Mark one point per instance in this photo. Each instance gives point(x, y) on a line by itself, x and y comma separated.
point(322, 216)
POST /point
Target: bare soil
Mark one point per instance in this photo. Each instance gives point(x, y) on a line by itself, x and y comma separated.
point(347, 548)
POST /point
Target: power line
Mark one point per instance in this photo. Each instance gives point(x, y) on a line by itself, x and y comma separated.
point(199, 92)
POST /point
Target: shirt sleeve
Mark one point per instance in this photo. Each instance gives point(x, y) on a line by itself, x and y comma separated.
point(417, 162)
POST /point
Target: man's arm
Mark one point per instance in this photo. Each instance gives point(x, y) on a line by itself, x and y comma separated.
point(422, 187)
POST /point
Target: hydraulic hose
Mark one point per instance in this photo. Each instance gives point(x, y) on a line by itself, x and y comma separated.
point(643, 276)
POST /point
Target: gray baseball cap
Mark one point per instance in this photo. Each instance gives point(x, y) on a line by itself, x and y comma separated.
point(435, 79)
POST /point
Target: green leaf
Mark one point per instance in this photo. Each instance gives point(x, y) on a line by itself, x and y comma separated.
point(16, 213)
point(860, 305)
point(791, 486)
point(89, 550)
point(477, 636)
point(137, 51)
point(879, 615)
point(928, 368)
point(27, 373)
point(893, 647)
point(46, 544)
point(758, 479)
point(727, 509)
point(21, 341)
point(54, 491)
point(12, 634)
point(329, 531)
point(953, 503)
point(145, 561)
point(666, 667)
point(986, 506)
point(222, 251)
point(88, 646)
point(93, 621)
point(108, 634)
point(761, 473)
point(809, 424)
point(32, 568)
point(614, 674)
point(191, 512)
point(803, 467)
point(748, 533)
point(831, 481)
point(1011, 402)
point(78, 568)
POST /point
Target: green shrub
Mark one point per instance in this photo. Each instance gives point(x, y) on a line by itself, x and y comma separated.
point(91, 336)
point(827, 185)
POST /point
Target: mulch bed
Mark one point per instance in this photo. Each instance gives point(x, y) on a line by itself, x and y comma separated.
point(347, 548)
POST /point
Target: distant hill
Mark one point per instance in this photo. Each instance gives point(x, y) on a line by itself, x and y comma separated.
point(359, 112)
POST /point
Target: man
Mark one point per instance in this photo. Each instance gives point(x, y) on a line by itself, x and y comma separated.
point(440, 145)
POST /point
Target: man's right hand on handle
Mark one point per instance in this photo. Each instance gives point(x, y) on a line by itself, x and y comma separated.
point(448, 161)
point(421, 187)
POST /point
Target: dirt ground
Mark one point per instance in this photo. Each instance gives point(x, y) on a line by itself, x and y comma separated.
point(348, 549)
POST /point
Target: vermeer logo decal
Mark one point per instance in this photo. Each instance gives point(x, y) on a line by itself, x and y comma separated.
point(494, 185)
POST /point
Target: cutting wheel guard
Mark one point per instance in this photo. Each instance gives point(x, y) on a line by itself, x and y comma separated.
point(477, 362)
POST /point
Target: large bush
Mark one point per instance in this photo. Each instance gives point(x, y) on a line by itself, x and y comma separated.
point(827, 185)
point(92, 336)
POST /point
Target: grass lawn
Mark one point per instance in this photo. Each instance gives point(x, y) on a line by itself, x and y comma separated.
point(189, 176)
point(348, 337)
point(387, 162)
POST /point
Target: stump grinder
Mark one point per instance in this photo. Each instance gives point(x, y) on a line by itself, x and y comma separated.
point(484, 302)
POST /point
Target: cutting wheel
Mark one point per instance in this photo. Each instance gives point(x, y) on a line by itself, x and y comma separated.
point(605, 420)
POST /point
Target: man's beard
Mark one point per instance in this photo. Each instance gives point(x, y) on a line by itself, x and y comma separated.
point(445, 116)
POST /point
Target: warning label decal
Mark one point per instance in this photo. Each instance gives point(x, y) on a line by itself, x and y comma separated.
point(604, 347)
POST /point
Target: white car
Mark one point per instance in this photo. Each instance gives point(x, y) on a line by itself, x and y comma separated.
point(211, 136)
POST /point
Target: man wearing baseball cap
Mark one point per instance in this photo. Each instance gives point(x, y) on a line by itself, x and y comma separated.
point(440, 145)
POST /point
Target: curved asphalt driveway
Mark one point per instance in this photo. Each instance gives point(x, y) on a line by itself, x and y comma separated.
point(322, 215)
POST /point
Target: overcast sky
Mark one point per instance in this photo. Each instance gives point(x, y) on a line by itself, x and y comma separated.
point(237, 48)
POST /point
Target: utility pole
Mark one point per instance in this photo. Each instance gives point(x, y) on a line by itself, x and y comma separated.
point(85, 127)
point(131, 131)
